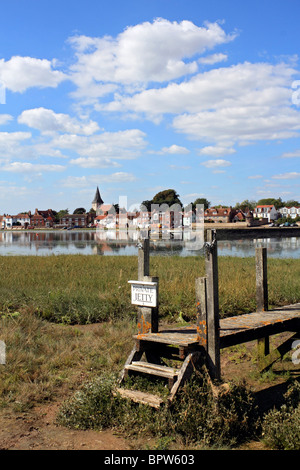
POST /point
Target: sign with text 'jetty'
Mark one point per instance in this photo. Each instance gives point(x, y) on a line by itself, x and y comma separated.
point(143, 293)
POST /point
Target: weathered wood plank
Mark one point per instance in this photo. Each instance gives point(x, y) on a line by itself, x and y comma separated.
point(152, 369)
point(267, 360)
point(135, 355)
point(185, 373)
point(140, 397)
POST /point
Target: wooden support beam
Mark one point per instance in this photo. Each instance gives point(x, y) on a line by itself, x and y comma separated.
point(262, 302)
point(201, 308)
point(212, 290)
point(265, 361)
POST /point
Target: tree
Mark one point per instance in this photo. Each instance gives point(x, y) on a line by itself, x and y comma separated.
point(80, 210)
point(271, 201)
point(146, 204)
point(292, 203)
point(246, 205)
point(168, 196)
point(61, 213)
point(201, 200)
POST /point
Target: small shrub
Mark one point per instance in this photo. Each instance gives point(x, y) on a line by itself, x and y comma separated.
point(194, 417)
point(281, 428)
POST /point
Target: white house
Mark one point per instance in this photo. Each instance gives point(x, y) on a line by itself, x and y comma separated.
point(266, 212)
point(8, 221)
point(291, 212)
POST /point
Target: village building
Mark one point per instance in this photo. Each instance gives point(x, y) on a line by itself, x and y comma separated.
point(41, 219)
point(266, 211)
point(19, 220)
point(219, 214)
point(75, 220)
point(291, 212)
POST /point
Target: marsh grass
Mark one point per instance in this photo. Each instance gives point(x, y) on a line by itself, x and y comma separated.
point(44, 360)
point(78, 289)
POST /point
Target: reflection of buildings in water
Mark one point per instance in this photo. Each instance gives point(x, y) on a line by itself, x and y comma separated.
point(275, 246)
point(125, 242)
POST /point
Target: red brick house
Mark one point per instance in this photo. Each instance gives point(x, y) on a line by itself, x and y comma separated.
point(219, 214)
point(42, 218)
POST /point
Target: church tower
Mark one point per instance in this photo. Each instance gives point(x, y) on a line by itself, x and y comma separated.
point(97, 201)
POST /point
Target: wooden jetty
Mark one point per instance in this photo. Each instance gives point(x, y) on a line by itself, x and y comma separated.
point(186, 346)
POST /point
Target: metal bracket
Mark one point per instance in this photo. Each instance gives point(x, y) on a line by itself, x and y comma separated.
point(209, 246)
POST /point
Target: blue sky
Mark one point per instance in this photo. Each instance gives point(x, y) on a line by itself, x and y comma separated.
point(141, 96)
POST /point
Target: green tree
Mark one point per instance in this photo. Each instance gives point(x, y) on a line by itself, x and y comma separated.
point(271, 201)
point(201, 200)
point(61, 213)
point(168, 196)
point(80, 210)
point(146, 204)
point(246, 205)
point(292, 203)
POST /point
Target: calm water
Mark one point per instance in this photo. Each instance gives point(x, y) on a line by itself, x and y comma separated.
point(58, 242)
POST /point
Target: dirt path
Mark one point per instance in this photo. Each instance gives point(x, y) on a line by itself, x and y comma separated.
point(37, 430)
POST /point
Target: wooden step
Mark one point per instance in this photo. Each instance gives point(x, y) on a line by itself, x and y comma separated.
point(153, 369)
point(141, 397)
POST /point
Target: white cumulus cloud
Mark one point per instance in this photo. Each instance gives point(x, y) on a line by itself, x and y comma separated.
point(46, 120)
point(20, 73)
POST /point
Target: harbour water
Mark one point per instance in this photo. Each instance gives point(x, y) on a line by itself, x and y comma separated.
point(107, 243)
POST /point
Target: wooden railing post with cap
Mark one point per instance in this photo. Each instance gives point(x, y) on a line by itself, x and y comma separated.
point(212, 305)
point(262, 296)
point(147, 316)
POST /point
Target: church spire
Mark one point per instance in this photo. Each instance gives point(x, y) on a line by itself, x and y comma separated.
point(97, 201)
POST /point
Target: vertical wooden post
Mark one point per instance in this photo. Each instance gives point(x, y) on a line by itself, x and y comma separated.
point(262, 296)
point(143, 259)
point(201, 307)
point(147, 316)
point(261, 280)
point(212, 289)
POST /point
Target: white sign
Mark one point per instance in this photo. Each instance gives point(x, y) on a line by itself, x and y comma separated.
point(143, 293)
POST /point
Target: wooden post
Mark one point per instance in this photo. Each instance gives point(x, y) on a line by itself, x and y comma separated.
point(262, 297)
point(201, 307)
point(212, 289)
point(261, 280)
point(147, 316)
point(143, 259)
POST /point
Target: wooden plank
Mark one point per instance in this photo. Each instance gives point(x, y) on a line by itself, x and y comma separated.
point(135, 355)
point(266, 361)
point(140, 397)
point(212, 289)
point(152, 369)
point(181, 337)
point(185, 373)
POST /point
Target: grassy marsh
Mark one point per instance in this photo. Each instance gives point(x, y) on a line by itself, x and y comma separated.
point(87, 289)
